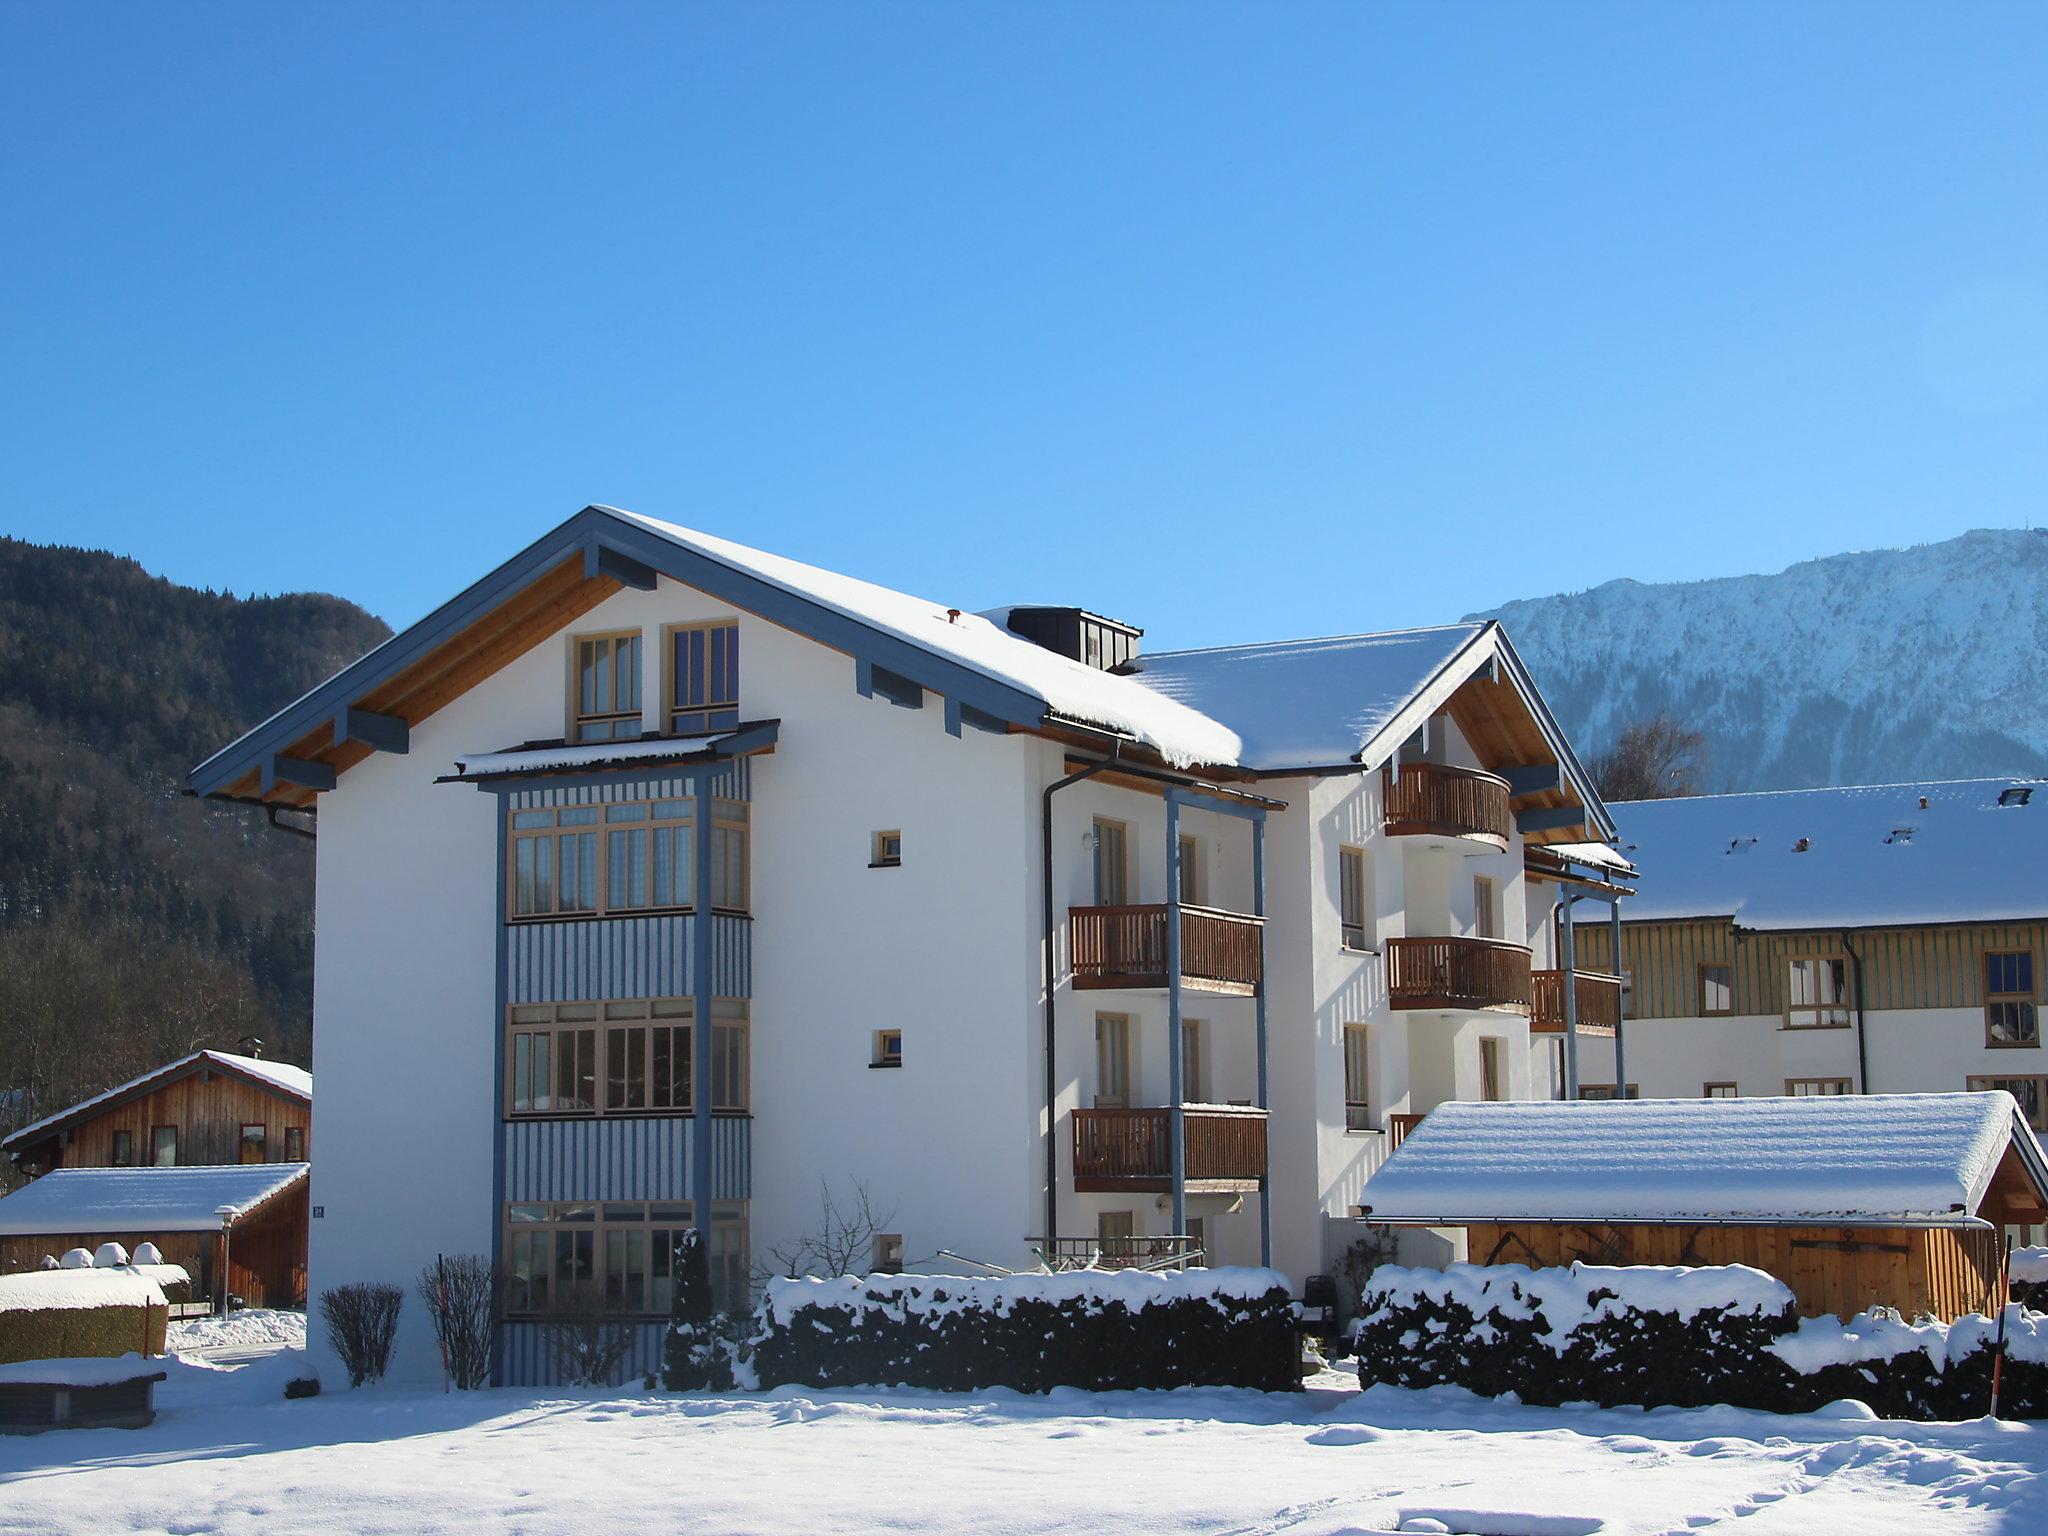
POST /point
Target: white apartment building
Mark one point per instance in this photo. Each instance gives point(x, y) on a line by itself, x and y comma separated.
point(663, 882)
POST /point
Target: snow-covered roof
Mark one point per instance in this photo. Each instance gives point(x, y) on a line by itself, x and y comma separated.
point(1876, 1158)
point(140, 1201)
point(1873, 856)
point(483, 765)
point(1594, 856)
point(77, 1289)
point(280, 1075)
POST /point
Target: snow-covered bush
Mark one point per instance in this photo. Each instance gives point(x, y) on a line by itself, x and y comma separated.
point(1681, 1337)
point(1097, 1330)
point(146, 1253)
point(109, 1256)
point(76, 1258)
point(697, 1355)
point(2030, 1277)
point(362, 1321)
point(465, 1300)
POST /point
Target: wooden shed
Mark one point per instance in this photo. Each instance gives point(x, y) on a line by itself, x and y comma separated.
point(1894, 1200)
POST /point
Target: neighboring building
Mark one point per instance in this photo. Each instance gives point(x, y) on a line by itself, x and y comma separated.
point(101, 1171)
point(1888, 939)
point(643, 800)
point(1892, 1200)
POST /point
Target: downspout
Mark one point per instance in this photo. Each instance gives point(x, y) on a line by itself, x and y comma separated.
point(1052, 1146)
point(1862, 1049)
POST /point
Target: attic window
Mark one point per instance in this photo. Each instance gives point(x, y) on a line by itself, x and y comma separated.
point(2016, 794)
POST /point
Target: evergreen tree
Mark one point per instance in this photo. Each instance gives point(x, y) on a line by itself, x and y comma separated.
point(694, 1358)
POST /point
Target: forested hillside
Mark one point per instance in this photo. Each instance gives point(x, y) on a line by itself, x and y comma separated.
point(137, 923)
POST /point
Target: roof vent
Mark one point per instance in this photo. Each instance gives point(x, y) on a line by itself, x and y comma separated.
point(1079, 635)
point(1923, 802)
point(1802, 845)
point(251, 1046)
point(2016, 794)
point(1741, 845)
point(1901, 835)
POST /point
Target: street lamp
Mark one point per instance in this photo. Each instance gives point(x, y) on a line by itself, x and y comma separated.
point(226, 1213)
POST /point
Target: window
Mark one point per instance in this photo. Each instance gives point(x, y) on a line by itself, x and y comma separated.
point(1816, 993)
point(1354, 898)
point(888, 1253)
point(558, 1255)
point(1717, 991)
point(1357, 1078)
point(1116, 1232)
point(1112, 1061)
point(607, 688)
point(2009, 1013)
point(1112, 863)
point(1190, 869)
point(1485, 908)
point(163, 1146)
point(1192, 1078)
point(123, 1155)
point(888, 1048)
point(2032, 1093)
point(1718, 1091)
point(1606, 1090)
point(622, 1058)
point(255, 1143)
point(886, 851)
point(295, 1143)
point(704, 678)
point(629, 857)
point(1198, 1241)
point(1493, 1075)
point(1816, 1087)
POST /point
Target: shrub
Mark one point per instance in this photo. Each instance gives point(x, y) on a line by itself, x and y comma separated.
point(362, 1322)
point(696, 1355)
point(588, 1340)
point(465, 1300)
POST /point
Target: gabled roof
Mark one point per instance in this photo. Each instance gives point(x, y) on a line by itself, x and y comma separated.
point(139, 1201)
point(275, 1076)
point(1879, 1159)
point(1873, 856)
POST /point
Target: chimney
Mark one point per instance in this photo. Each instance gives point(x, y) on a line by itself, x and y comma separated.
point(1089, 638)
point(251, 1045)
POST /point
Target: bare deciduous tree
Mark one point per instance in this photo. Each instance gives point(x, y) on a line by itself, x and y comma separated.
point(465, 1298)
point(587, 1337)
point(1654, 759)
point(843, 1242)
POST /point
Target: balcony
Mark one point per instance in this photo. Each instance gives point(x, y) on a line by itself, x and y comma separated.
point(1120, 1151)
point(1126, 947)
point(1432, 800)
point(1458, 975)
point(1599, 1002)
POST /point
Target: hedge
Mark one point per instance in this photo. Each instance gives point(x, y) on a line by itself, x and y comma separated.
point(55, 1315)
point(1097, 1330)
point(1658, 1337)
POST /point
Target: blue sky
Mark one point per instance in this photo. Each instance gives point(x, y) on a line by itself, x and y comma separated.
point(1236, 321)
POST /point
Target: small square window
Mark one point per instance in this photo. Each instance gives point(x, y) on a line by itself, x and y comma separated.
point(886, 851)
point(888, 1048)
point(888, 1253)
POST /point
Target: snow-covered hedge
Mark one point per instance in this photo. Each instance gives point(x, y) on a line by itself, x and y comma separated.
point(1098, 1330)
point(1659, 1337)
point(2030, 1277)
point(58, 1314)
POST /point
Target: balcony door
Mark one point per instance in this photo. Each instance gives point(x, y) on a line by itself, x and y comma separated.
point(1192, 1078)
point(1112, 1061)
point(1112, 863)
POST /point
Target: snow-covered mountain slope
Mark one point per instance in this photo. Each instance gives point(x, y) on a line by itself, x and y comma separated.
point(1892, 664)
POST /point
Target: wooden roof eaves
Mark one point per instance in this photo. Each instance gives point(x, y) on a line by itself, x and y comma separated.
point(185, 1066)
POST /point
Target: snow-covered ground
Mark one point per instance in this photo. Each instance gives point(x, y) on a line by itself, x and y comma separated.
point(227, 1456)
point(252, 1329)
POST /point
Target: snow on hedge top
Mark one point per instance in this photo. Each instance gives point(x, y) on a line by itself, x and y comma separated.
point(1306, 703)
point(281, 1075)
point(76, 1289)
point(1179, 734)
point(1876, 1157)
point(137, 1200)
point(1566, 1296)
point(1874, 856)
point(930, 1295)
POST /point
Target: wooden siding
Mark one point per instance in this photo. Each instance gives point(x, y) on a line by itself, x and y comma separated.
point(1945, 1272)
point(630, 1158)
point(209, 1107)
point(1931, 967)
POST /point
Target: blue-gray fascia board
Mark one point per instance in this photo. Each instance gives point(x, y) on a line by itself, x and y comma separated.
point(1552, 818)
point(602, 560)
point(1223, 805)
point(1534, 779)
point(278, 769)
point(746, 741)
point(380, 733)
point(608, 530)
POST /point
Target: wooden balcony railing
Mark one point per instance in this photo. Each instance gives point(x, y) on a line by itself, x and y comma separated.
point(1458, 974)
point(1431, 800)
point(1599, 1002)
point(1132, 1149)
point(1398, 1127)
point(1126, 947)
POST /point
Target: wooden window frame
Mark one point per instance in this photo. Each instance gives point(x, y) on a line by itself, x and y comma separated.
point(1192, 885)
point(616, 715)
point(1125, 896)
point(120, 1140)
point(624, 1017)
point(242, 1140)
point(1358, 1095)
point(1496, 1047)
point(713, 714)
point(879, 854)
point(1130, 1061)
point(521, 1220)
point(1486, 907)
point(154, 1132)
point(604, 824)
point(1707, 1090)
point(882, 1057)
point(295, 1143)
point(1700, 983)
point(1991, 1082)
point(1355, 890)
point(1847, 1086)
point(1847, 1007)
point(2026, 999)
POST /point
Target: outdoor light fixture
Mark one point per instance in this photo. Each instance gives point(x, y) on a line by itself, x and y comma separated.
point(226, 1213)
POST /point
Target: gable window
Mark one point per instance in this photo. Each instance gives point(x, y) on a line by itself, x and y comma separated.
point(1354, 908)
point(1112, 863)
point(1717, 989)
point(1817, 992)
point(2010, 1017)
point(163, 1146)
point(2031, 1091)
point(631, 1057)
point(607, 688)
point(295, 1143)
point(255, 1143)
point(1357, 1078)
point(123, 1155)
point(704, 678)
point(1816, 1087)
point(886, 850)
point(627, 857)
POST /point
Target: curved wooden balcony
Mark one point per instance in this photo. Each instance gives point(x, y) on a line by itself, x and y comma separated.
point(1599, 1002)
point(1118, 1150)
point(1432, 800)
point(1126, 947)
point(1458, 975)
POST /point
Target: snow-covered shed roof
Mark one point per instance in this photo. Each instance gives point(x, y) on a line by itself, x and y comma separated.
point(281, 1076)
point(1871, 856)
point(1879, 1159)
point(140, 1201)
